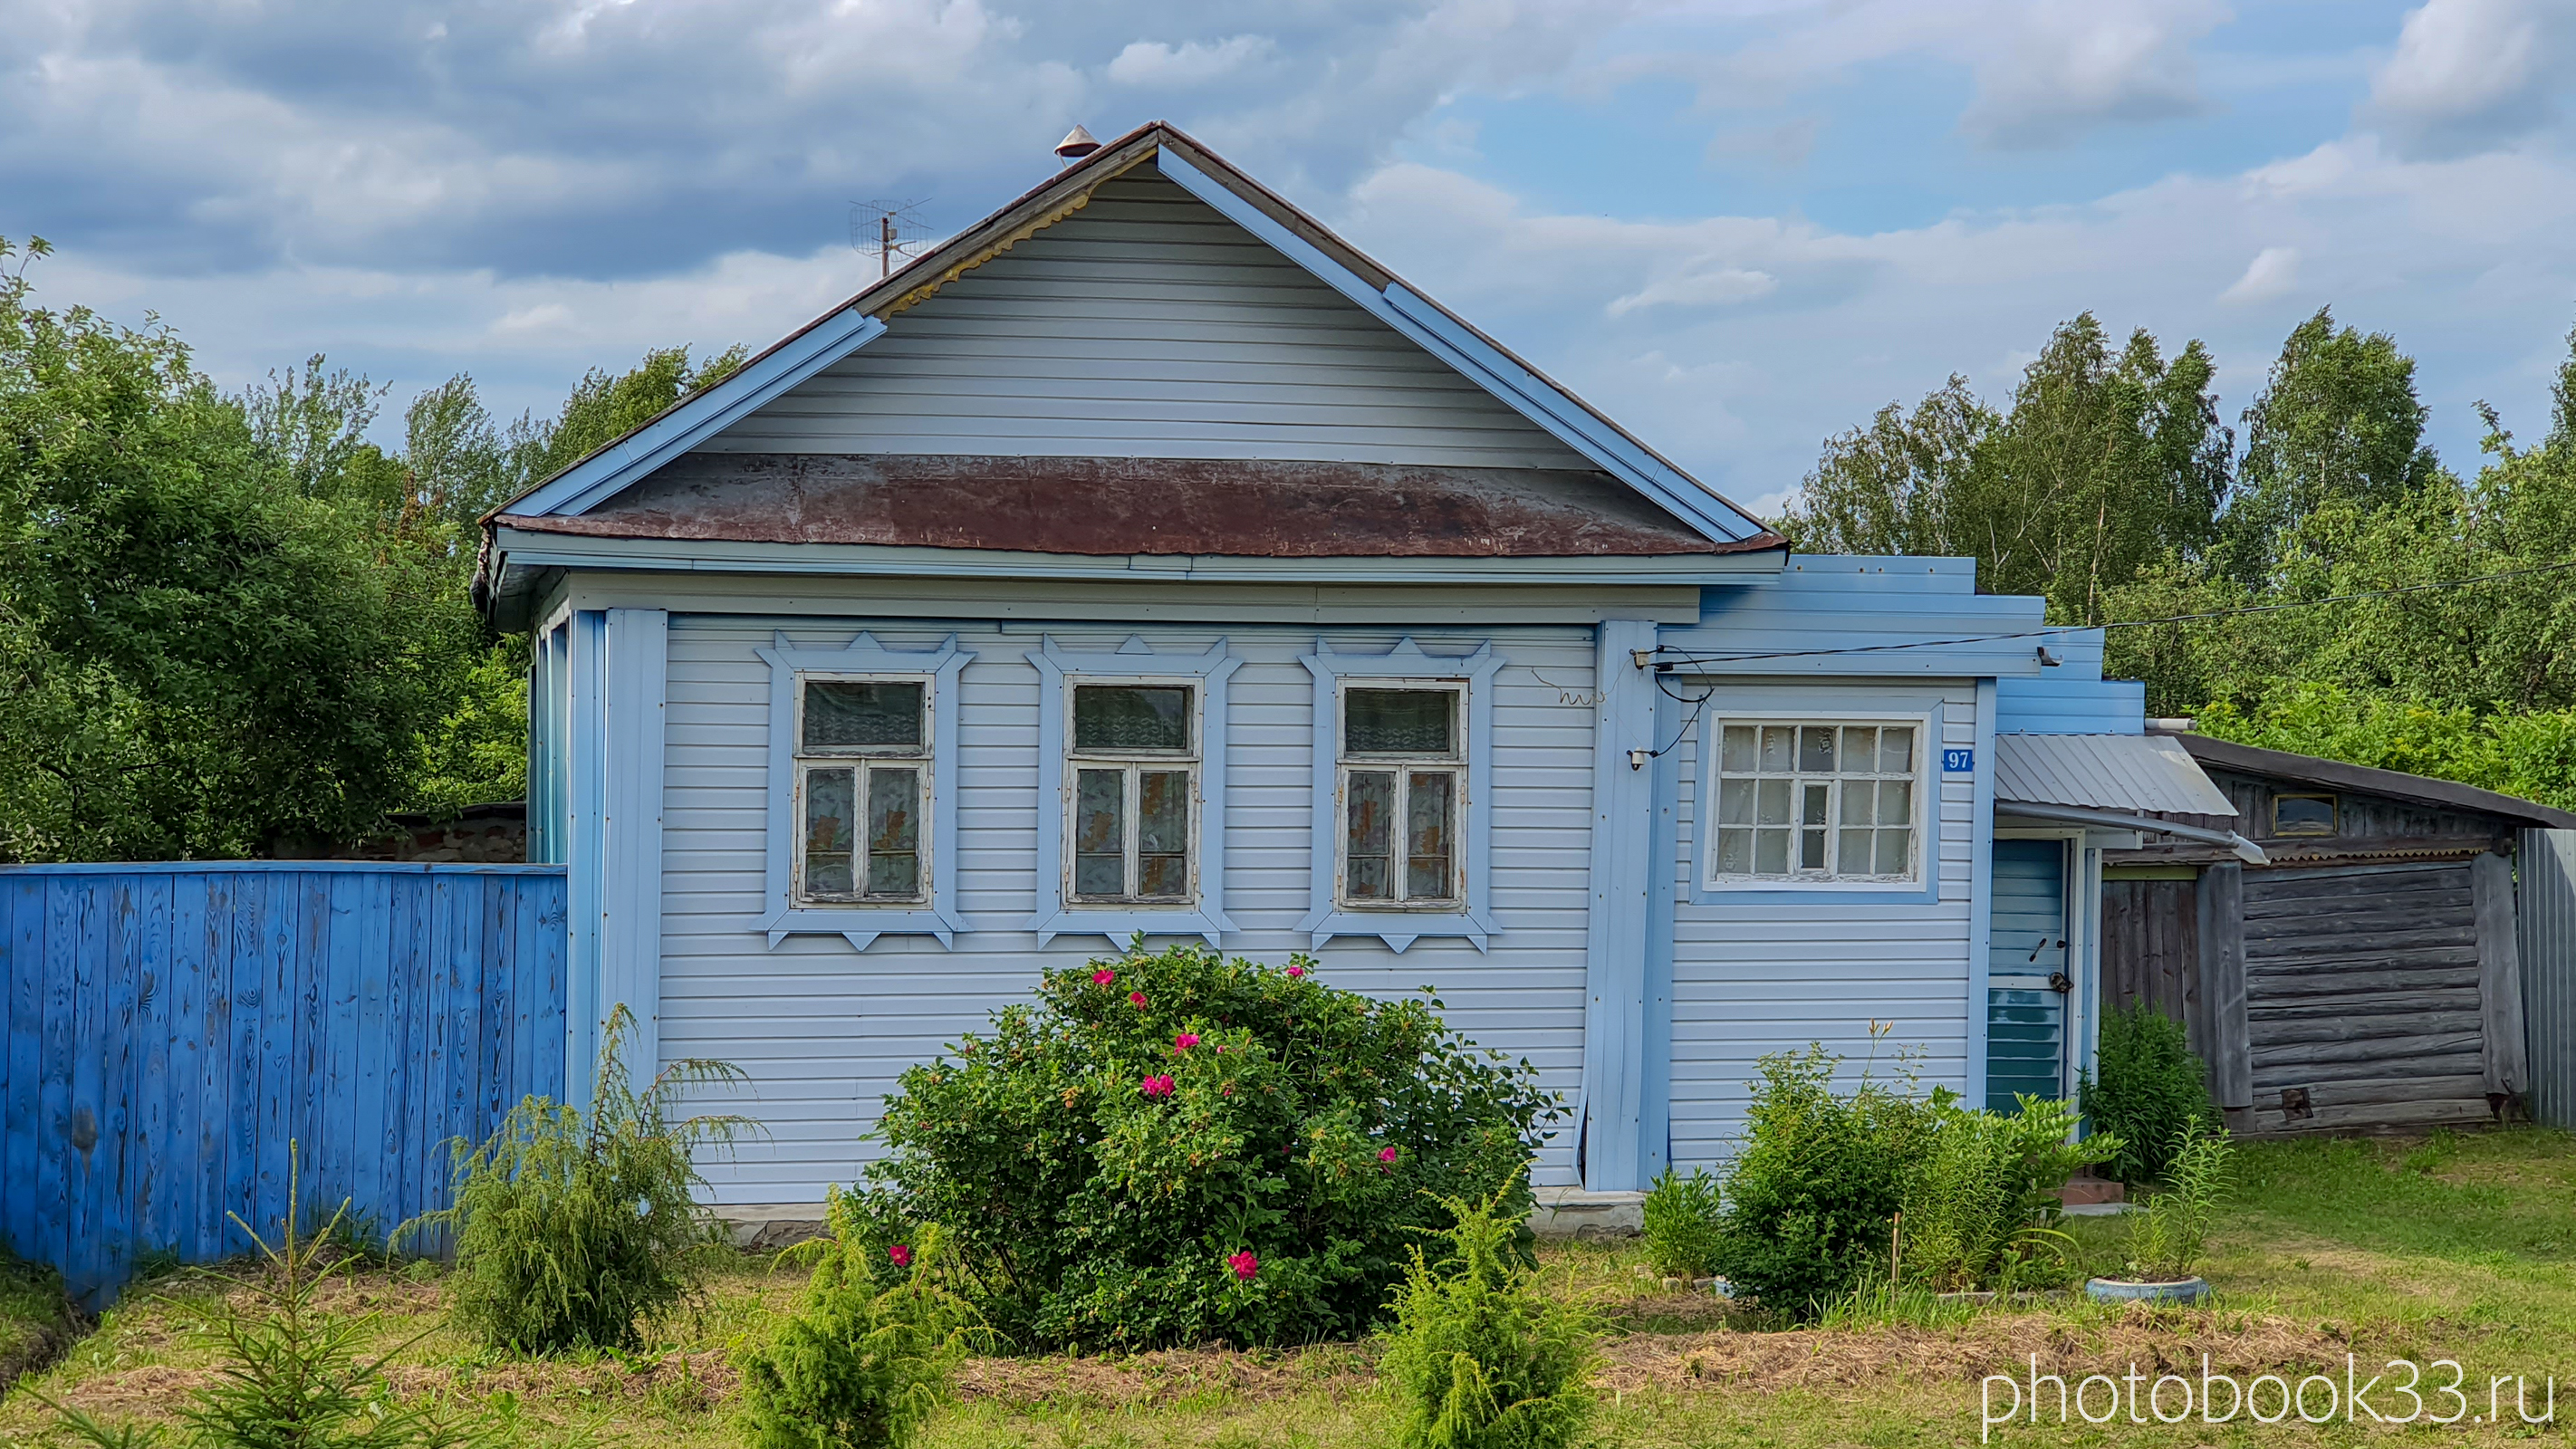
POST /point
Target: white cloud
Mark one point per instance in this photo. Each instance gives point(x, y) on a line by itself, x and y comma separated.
point(1716, 286)
point(2471, 262)
point(2066, 66)
point(2471, 73)
point(2272, 273)
point(1152, 63)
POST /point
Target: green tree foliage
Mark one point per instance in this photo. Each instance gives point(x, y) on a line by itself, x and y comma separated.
point(233, 625)
point(2104, 464)
point(1178, 1147)
point(574, 1228)
point(2337, 421)
point(1478, 1358)
point(867, 1352)
point(2314, 589)
point(196, 657)
point(605, 406)
point(2147, 1089)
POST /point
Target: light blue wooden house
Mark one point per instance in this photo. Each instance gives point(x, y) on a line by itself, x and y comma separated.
point(1147, 559)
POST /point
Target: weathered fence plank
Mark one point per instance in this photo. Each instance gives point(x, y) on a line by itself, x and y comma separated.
point(176, 1040)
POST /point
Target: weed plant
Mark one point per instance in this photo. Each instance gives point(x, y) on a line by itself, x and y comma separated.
point(1980, 1206)
point(2168, 1237)
point(858, 1363)
point(1478, 1358)
point(1681, 1221)
point(2150, 1088)
point(573, 1229)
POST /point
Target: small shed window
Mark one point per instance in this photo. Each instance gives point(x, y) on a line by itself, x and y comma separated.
point(863, 782)
point(2303, 815)
point(1135, 784)
point(1403, 767)
point(1816, 801)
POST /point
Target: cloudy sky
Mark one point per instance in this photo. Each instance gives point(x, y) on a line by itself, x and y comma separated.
point(1737, 225)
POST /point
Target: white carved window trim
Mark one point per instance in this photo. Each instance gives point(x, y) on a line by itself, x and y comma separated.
point(861, 922)
point(1134, 662)
point(1470, 918)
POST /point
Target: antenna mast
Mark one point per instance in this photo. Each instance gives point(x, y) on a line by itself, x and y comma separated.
point(887, 230)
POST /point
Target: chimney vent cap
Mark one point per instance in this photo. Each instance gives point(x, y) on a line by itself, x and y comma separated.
point(1077, 143)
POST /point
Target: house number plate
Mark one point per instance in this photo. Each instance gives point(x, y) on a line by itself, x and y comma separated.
point(1958, 762)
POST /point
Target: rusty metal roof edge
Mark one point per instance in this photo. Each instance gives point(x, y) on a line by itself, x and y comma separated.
point(2421, 789)
point(525, 549)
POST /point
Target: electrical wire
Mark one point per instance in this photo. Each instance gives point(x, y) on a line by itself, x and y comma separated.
point(1684, 656)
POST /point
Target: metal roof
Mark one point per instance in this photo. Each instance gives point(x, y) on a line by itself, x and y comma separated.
point(2104, 772)
point(2396, 784)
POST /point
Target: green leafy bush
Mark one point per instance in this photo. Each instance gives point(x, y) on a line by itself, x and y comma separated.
point(1177, 1147)
point(1980, 1205)
point(574, 1228)
point(861, 1361)
point(1477, 1358)
point(2150, 1088)
point(1811, 1195)
point(1681, 1224)
point(2167, 1238)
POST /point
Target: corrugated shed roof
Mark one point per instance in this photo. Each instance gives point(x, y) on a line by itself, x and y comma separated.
point(2105, 772)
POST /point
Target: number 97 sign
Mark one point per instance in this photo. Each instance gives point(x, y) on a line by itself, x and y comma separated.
point(1958, 762)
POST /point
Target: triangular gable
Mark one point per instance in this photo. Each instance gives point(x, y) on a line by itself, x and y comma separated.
point(1529, 421)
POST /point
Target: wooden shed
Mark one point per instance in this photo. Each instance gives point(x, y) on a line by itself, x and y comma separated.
point(2366, 977)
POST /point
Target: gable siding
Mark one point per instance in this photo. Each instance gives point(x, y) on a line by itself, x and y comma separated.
point(1754, 978)
point(1147, 325)
point(824, 1031)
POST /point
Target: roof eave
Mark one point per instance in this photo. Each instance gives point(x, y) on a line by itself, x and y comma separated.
point(2396, 784)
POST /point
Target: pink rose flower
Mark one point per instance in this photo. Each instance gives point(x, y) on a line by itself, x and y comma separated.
point(1244, 1265)
point(902, 1255)
point(1386, 1154)
point(1136, 999)
point(1158, 1086)
point(1103, 976)
point(1296, 971)
point(1185, 1041)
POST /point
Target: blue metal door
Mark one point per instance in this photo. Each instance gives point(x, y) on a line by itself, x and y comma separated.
point(2027, 973)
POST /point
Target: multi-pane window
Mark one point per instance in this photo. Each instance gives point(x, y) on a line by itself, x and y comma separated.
point(1402, 784)
point(1133, 760)
point(863, 785)
point(1802, 801)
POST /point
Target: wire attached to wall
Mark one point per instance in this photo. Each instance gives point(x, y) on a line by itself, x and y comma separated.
point(1667, 655)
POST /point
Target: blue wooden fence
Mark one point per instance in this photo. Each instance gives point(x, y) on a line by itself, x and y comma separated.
point(172, 1028)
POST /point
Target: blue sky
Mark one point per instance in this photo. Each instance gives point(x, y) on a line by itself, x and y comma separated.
point(1737, 225)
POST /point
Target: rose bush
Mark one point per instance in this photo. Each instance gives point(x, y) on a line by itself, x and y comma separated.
point(1181, 1148)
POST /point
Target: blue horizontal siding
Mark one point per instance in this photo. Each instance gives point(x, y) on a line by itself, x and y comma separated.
point(183, 1038)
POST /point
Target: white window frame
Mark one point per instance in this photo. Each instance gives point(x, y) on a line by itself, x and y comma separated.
point(1133, 662)
point(933, 913)
point(1132, 765)
point(1454, 764)
point(862, 761)
point(1470, 917)
point(1922, 882)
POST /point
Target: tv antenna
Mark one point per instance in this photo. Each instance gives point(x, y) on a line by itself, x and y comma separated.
point(886, 230)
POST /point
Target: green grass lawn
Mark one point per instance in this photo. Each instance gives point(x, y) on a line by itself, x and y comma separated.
point(35, 1321)
point(2457, 1248)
